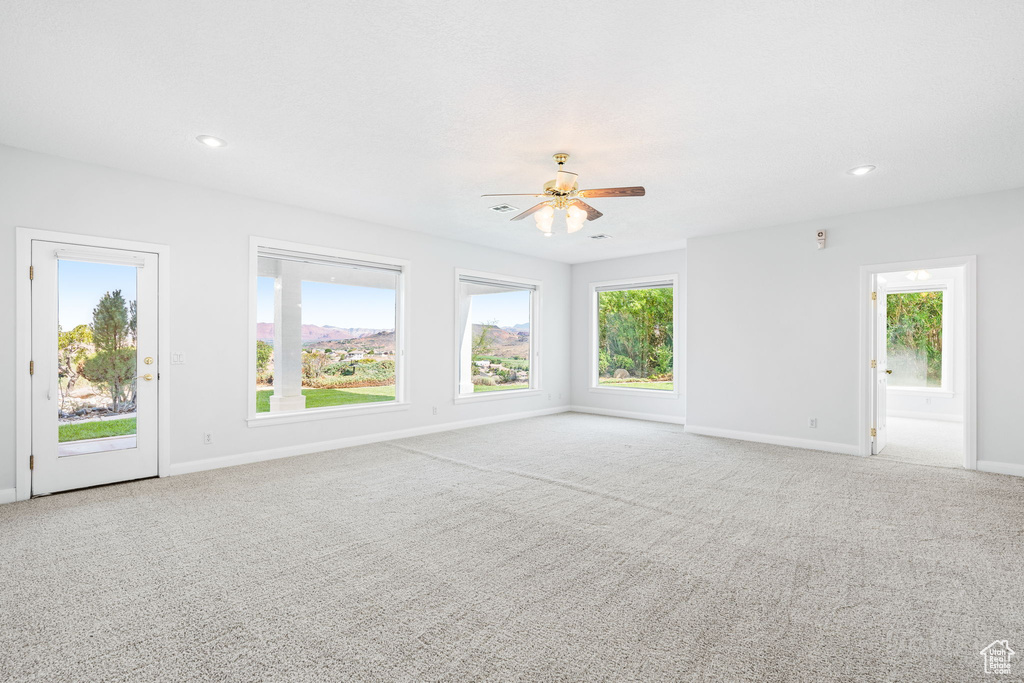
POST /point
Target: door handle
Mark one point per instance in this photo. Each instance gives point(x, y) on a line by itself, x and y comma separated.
point(888, 372)
point(148, 377)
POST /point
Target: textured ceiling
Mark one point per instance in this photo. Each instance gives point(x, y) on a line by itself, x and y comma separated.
point(732, 114)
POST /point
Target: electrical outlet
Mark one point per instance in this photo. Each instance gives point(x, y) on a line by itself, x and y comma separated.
point(928, 401)
point(435, 410)
point(207, 438)
point(812, 423)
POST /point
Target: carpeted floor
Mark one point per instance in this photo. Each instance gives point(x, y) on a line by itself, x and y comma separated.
point(570, 547)
point(924, 442)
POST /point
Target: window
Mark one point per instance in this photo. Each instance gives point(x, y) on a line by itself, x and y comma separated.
point(497, 335)
point(634, 343)
point(915, 330)
point(326, 330)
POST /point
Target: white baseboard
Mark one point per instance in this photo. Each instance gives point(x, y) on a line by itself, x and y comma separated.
point(8, 495)
point(303, 449)
point(918, 415)
point(1001, 467)
point(810, 444)
point(651, 417)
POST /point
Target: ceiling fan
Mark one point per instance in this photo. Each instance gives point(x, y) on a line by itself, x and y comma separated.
point(563, 193)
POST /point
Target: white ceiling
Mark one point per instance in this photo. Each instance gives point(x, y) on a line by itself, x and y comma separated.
point(732, 114)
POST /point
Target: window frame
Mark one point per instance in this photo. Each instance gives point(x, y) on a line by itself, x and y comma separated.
point(646, 282)
point(254, 419)
point(948, 387)
point(536, 376)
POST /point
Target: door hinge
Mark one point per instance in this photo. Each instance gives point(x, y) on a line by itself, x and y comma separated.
point(31, 367)
point(874, 296)
point(31, 272)
point(874, 432)
point(874, 363)
point(31, 462)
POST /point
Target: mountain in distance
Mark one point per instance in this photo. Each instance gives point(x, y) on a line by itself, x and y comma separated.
point(379, 342)
point(314, 333)
point(506, 341)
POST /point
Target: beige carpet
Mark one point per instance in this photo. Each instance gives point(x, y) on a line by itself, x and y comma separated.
point(570, 547)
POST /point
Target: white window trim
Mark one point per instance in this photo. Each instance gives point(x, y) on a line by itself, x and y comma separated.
point(535, 387)
point(636, 282)
point(948, 387)
point(255, 419)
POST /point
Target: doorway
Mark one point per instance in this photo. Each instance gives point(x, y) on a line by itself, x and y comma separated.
point(920, 345)
point(94, 371)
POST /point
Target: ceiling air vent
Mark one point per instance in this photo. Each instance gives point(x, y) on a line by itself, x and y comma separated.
point(504, 208)
point(602, 236)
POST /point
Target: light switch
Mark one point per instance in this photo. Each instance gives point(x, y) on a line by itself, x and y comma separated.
point(177, 359)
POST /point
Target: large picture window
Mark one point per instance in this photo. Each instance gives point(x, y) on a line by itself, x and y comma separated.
point(497, 334)
point(327, 330)
point(634, 335)
point(915, 331)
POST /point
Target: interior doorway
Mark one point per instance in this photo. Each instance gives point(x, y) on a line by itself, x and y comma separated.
point(94, 392)
point(920, 371)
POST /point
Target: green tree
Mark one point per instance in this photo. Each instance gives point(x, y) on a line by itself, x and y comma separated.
point(635, 331)
point(113, 365)
point(482, 343)
point(264, 351)
point(72, 349)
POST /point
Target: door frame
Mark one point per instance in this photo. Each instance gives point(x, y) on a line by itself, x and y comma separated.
point(866, 352)
point(23, 344)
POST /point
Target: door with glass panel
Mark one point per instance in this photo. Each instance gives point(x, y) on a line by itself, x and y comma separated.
point(94, 366)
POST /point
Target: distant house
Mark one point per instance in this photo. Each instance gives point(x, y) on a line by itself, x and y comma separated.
point(482, 363)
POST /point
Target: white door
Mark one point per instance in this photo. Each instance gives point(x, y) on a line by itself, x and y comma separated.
point(94, 357)
point(881, 370)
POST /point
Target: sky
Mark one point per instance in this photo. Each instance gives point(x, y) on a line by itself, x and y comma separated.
point(326, 304)
point(506, 309)
point(81, 285)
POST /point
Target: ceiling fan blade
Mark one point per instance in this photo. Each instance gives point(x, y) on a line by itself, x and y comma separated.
point(565, 180)
point(513, 195)
point(592, 213)
point(614, 192)
point(529, 211)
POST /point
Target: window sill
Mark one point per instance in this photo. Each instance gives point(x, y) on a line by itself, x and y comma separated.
point(495, 395)
point(649, 393)
point(931, 392)
point(268, 419)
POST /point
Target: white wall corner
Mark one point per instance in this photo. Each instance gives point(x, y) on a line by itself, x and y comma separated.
point(808, 444)
point(8, 495)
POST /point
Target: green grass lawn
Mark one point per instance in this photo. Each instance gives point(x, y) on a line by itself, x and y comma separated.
point(498, 387)
point(324, 398)
point(660, 386)
point(77, 431)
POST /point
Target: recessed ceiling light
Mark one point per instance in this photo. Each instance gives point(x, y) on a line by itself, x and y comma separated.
point(210, 141)
point(861, 170)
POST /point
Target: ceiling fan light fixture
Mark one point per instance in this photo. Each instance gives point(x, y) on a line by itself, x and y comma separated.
point(545, 218)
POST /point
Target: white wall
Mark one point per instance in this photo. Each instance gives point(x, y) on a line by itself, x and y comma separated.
point(663, 263)
point(773, 323)
point(208, 233)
